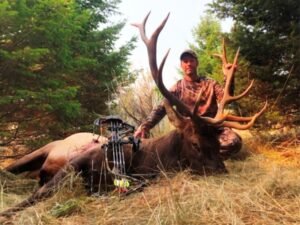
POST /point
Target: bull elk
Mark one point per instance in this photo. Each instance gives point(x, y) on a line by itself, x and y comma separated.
point(193, 144)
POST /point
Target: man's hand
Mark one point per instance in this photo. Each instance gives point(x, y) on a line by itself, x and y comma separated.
point(226, 67)
point(140, 132)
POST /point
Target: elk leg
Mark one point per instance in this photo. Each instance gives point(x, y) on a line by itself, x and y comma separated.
point(32, 161)
point(44, 192)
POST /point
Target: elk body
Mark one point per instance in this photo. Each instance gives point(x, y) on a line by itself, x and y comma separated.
point(193, 144)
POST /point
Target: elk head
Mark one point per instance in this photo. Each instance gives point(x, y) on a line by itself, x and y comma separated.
point(195, 127)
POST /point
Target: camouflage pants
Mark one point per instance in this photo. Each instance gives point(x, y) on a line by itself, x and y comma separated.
point(230, 141)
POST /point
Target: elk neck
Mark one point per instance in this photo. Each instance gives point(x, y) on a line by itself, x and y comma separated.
point(158, 153)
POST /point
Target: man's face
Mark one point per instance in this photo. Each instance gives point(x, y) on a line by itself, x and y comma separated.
point(189, 65)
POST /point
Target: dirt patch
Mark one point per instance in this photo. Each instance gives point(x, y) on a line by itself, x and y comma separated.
point(10, 154)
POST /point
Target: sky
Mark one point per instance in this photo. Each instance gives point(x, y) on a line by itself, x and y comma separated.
point(184, 17)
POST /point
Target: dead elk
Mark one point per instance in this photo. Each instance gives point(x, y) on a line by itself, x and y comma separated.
point(193, 144)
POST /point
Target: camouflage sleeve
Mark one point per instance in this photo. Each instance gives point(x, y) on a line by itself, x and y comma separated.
point(219, 91)
point(154, 117)
point(159, 112)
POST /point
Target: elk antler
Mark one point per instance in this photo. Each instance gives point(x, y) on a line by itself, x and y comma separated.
point(223, 57)
point(225, 65)
point(227, 97)
point(157, 73)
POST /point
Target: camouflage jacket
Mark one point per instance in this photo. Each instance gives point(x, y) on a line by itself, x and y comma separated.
point(187, 92)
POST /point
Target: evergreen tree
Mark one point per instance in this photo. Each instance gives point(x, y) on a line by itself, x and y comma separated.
point(56, 59)
point(268, 32)
point(208, 40)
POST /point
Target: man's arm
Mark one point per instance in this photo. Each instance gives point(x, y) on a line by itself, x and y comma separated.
point(156, 115)
point(219, 91)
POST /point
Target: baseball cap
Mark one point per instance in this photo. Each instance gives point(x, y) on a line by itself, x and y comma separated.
point(188, 52)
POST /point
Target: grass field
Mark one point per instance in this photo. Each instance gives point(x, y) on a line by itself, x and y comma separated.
point(262, 187)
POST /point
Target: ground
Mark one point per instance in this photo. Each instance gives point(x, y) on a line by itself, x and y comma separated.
point(262, 187)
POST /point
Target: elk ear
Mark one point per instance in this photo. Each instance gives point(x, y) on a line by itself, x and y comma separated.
point(175, 118)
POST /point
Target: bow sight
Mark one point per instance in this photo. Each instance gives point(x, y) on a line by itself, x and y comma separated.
point(119, 133)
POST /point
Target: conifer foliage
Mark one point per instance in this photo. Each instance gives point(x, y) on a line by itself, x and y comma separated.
point(268, 32)
point(57, 58)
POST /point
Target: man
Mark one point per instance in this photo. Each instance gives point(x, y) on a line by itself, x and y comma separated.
point(187, 90)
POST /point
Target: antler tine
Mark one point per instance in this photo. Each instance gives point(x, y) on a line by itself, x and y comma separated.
point(152, 49)
point(234, 98)
point(247, 118)
point(209, 120)
point(223, 57)
point(241, 119)
point(141, 27)
point(226, 96)
point(229, 76)
point(208, 102)
point(164, 91)
point(151, 45)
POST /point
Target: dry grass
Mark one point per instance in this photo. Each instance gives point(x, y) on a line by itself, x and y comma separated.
point(145, 97)
point(262, 187)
